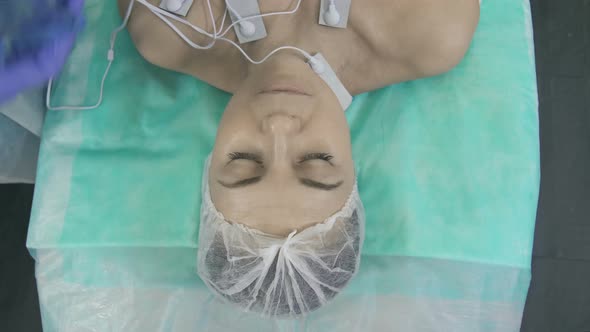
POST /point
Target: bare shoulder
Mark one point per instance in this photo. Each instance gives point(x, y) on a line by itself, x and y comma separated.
point(161, 46)
point(411, 39)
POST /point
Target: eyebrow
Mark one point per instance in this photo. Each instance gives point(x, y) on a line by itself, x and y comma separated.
point(306, 182)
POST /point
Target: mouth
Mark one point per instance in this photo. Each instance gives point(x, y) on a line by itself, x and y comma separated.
point(285, 89)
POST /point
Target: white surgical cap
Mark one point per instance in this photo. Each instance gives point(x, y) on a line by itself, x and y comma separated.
point(279, 276)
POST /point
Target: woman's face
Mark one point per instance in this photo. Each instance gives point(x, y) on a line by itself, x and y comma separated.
point(282, 158)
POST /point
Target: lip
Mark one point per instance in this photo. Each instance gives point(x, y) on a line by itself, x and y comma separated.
point(285, 89)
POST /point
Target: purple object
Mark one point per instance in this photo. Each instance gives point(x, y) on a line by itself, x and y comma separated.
point(31, 66)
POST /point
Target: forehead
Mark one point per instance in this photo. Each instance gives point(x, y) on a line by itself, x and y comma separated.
point(278, 211)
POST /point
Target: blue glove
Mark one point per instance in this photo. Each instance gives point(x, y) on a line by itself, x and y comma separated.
point(35, 43)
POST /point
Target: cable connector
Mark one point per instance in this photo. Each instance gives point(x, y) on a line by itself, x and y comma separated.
point(317, 65)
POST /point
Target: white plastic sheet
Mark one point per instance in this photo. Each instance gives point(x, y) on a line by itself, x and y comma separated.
point(123, 289)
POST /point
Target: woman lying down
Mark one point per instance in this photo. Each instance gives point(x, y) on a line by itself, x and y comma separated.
point(282, 223)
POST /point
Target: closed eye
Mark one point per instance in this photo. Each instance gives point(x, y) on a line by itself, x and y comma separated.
point(245, 156)
point(241, 183)
point(317, 156)
point(320, 185)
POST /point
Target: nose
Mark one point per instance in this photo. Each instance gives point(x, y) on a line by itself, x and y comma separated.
point(281, 124)
point(279, 128)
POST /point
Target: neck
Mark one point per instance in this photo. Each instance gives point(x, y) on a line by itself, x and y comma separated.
point(289, 63)
point(296, 30)
point(285, 62)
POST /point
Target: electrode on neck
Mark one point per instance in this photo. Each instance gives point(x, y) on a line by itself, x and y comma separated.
point(251, 26)
point(178, 7)
point(334, 13)
point(321, 67)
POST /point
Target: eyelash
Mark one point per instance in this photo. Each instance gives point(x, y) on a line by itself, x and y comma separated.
point(250, 156)
point(245, 155)
point(318, 155)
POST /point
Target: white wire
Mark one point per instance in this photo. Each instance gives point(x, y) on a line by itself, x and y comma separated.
point(162, 14)
point(231, 9)
point(122, 26)
point(110, 58)
point(212, 17)
point(157, 11)
point(223, 20)
point(257, 62)
point(183, 36)
point(77, 108)
point(292, 11)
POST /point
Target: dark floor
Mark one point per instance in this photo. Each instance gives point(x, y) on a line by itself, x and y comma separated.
point(559, 297)
point(19, 306)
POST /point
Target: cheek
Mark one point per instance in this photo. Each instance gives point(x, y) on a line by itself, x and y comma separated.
point(330, 116)
point(236, 124)
point(331, 132)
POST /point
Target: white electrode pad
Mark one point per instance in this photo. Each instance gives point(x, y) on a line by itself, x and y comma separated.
point(178, 7)
point(244, 9)
point(342, 8)
point(327, 74)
